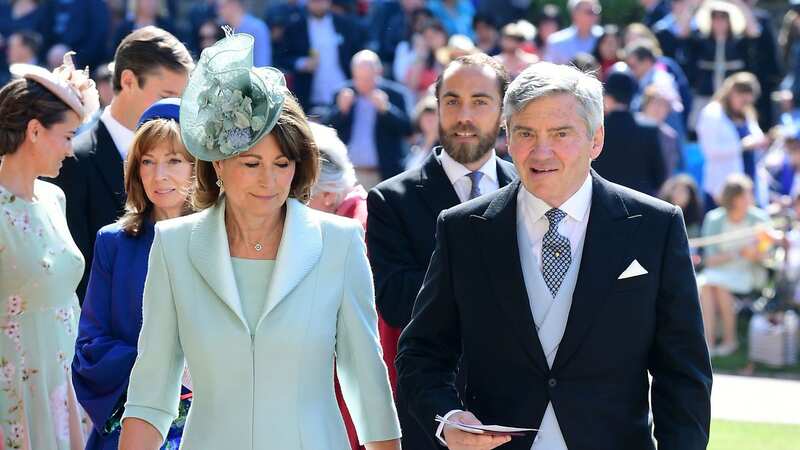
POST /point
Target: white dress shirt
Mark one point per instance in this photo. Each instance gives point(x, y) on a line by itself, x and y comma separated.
point(121, 136)
point(532, 221)
point(550, 314)
point(459, 175)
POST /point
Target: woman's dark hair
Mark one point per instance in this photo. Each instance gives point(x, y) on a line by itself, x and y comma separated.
point(609, 31)
point(21, 101)
point(433, 24)
point(550, 13)
point(296, 142)
point(693, 211)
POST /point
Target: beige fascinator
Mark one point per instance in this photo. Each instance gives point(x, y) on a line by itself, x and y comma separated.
point(74, 87)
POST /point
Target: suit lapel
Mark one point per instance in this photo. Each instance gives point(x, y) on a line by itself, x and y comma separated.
point(609, 235)
point(434, 186)
point(109, 162)
point(211, 257)
point(505, 174)
point(299, 252)
point(498, 227)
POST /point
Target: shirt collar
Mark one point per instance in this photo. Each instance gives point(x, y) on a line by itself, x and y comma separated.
point(576, 207)
point(121, 136)
point(455, 170)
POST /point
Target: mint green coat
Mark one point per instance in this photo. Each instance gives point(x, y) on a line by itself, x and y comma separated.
point(271, 387)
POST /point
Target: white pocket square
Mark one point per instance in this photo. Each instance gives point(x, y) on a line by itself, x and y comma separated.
point(634, 270)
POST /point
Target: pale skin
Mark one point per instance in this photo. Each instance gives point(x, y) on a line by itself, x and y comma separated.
point(325, 201)
point(40, 154)
point(138, 93)
point(257, 184)
point(166, 177)
point(365, 72)
point(469, 112)
point(552, 152)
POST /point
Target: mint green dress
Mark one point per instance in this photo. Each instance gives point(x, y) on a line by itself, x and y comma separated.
point(40, 267)
point(252, 279)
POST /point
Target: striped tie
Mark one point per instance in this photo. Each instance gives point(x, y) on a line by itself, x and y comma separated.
point(475, 177)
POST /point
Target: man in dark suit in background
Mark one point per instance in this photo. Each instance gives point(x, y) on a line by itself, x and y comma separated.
point(403, 209)
point(149, 64)
point(560, 294)
point(370, 115)
point(316, 51)
point(632, 153)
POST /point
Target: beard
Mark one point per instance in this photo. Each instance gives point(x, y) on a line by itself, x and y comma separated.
point(466, 153)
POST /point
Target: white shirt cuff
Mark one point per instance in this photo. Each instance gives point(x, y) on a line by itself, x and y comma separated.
point(440, 428)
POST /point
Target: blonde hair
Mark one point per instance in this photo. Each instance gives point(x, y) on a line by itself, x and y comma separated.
point(138, 206)
point(742, 82)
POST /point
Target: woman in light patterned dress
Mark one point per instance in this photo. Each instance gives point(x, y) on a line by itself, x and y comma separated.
point(40, 266)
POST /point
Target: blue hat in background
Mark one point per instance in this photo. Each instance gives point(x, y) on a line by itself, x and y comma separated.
point(168, 108)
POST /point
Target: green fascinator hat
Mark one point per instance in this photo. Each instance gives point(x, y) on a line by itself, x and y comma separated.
point(228, 104)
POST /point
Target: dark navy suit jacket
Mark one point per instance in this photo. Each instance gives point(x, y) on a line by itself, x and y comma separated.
point(111, 318)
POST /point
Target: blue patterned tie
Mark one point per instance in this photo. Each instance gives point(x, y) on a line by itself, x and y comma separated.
point(556, 254)
point(475, 177)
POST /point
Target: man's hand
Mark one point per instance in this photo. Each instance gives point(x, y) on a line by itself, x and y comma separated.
point(345, 100)
point(380, 99)
point(461, 440)
point(312, 61)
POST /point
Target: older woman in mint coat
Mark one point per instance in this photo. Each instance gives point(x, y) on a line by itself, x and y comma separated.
point(258, 292)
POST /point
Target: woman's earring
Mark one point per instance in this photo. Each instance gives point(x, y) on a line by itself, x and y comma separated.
point(219, 183)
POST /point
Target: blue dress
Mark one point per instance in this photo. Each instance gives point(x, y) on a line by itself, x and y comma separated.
point(108, 330)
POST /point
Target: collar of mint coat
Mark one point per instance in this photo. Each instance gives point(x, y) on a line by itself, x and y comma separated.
point(298, 252)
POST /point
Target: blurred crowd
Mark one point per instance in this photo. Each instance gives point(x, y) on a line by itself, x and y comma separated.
point(702, 104)
point(708, 88)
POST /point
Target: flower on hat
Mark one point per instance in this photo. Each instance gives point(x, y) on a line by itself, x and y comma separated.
point(231, 123)
point(81, 84)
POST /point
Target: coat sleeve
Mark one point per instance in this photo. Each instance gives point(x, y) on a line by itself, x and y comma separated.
point(398, 275)
point(430, 346)
point(658, 169)
point(102, 363)
point(679, 361)
point(359, 361)
point(155, 383)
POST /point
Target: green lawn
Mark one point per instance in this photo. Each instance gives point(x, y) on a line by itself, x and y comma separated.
point(727, 435)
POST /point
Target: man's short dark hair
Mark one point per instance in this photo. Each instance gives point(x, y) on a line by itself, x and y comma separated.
point(30, 39)
point(485, 19)
point(642, 50)
point(147, 50)
point(479, 60)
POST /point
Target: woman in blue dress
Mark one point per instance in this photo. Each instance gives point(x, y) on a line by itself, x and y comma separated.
point(158, 179)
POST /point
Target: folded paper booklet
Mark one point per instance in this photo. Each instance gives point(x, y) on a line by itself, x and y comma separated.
point(495, 430)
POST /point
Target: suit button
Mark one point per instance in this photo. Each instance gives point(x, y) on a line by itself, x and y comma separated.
point(552, 382)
